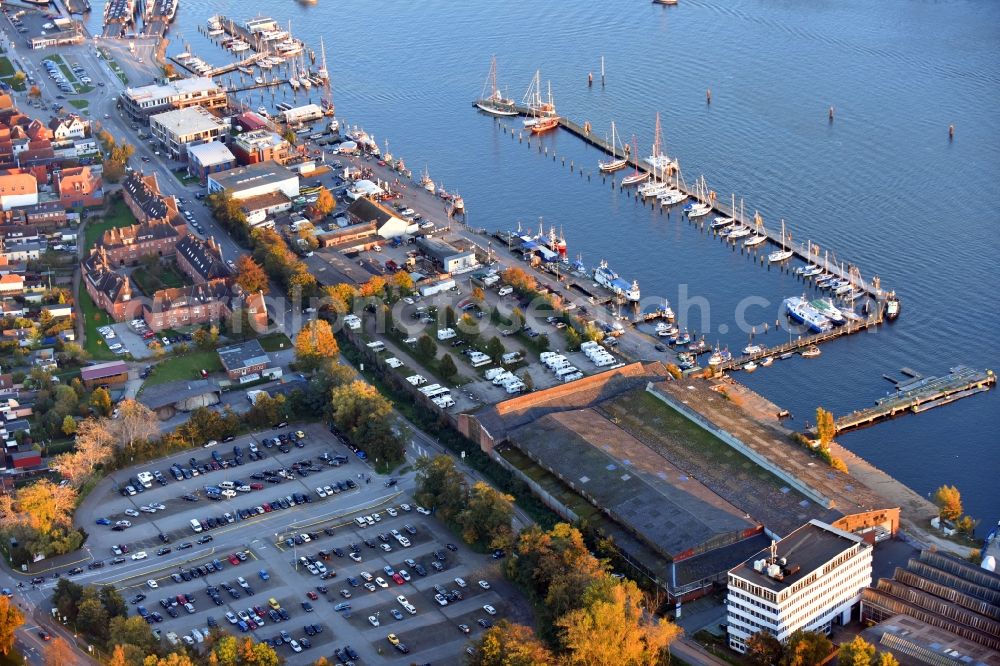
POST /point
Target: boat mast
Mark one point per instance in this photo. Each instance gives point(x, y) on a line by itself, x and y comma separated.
point(327, 88)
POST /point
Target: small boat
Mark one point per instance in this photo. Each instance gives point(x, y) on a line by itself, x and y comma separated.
point(262, 110)
point(294, 83)
point(739, 232)
point(750, 367)
point(698, 347)
point(892, 306)
point(672, 199)
point(784, 253)
point(715, 358)
point(259, 81)
point(751, 349)
point(662, 330)
point(843, 289)
point(826, 308)
point(812, 270)
point(533, 100)
point(722, 222)
point(544, 125)
point(812, 351)
point(215, 32)
point(426, 182)
point(754, 240)
point(683, 339)
point(698, 209)
point(767, 361)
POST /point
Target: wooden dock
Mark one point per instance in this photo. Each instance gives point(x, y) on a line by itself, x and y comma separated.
point(921, 396)
point(802, 251)
point(792, 346)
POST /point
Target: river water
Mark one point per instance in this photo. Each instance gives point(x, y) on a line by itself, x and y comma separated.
point(881, 186)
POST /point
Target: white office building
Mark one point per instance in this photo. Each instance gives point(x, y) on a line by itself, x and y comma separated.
point(811, 579)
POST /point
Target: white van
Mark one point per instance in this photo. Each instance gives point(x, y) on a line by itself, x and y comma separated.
point(505, 290)
point(229, 485)
point(195, 525)
point(361, 522)
point(377, 346)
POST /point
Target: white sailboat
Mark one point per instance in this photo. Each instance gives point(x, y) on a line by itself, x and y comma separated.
point(493, 102)
point(540, 111)
point(659, 161)
point(615, 163)
point(759, 236)
point(784, 253)
point(700, 207)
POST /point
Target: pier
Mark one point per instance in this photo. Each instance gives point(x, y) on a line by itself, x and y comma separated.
point(792, 346)
point(920, 395)
point(804, 251)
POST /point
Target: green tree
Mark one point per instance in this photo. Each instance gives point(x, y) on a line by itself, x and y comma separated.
point(91, 617)
point(529, 383)
point(10, 619)
point(485, 521)
point(314, 343)
point(112, 601)
point(361, 412)
point(69, 425)
point(426, 348)
point(289, 136)
point(100, 400)
point(447, 368)
point(132, 631)
point(949, 502)
point(542, 342)
point(440, 486)
point(806, 648)
point(858, 652)
point(573, 339)
point(763, 649)
point(495, 349)
point(508, 644)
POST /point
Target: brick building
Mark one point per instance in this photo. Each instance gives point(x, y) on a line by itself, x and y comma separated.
point(143, 197)
point(201, 260)
point(78, 186)
point(127, 245)
point(109, 290)
point(208, 302)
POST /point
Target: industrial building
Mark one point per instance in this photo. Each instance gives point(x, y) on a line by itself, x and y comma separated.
point(104, 374)
point(255, 180)
point(243, 359)
point(209, 158)
point(302, 114)
point(450, 258)
point(176, 130)
point(812, 579)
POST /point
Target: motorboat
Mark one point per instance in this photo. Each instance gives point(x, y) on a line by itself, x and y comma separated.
point(750, 367)
point(826, 308)
point(812, 351)
point(722, 222)
point(892, 306)
point(803, 312)
point(767, 361)
point(752, 349)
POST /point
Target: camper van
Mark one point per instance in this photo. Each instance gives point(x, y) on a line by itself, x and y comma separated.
point(377, 346)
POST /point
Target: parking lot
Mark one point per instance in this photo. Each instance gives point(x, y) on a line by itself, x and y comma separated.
point(292, 546)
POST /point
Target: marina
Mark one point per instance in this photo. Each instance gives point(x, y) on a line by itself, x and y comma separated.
point(706, 202)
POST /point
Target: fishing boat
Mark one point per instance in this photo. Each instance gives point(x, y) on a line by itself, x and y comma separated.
point(458, 204)
point(698, 347)
point(493, 102)
point(615, 163)
point(426, 182)
point(663, 329)
point(683, 339)
point(609, 279)
point(812, 351)
point(799, 309)
point(892, 306)
point(784, 253)
point(636, 176)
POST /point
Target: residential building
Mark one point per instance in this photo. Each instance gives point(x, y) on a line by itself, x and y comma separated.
point(811, 579)
point(22, 251)
point(243, 359)
point(142, 196)
point(208, 158)
point(256, 179)
point(127, 245)
point(78, 187)
point(112, 373)
point(258, 208)
point(261, 145)
point(143, 102)
point(180, 128)
point(11, 284)
point(108, 289)
point(201, 260)
point(17, 188)
point(69, 127)
point(47, 216)
point(208, 302)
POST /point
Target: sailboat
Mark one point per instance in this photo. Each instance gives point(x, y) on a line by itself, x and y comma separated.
point(759, 235)
point(494, 103)
point(615, 163)
point(636, 176)
point(782, 254)
point(699, 207)
point(540, 111)
point(659, 161)
point(548, 121)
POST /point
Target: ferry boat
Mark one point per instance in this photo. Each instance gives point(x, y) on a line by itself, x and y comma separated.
point(801, 311)
point(891, 306)
point(607, 278)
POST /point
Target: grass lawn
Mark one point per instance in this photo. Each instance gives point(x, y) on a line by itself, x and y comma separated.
point(185, 178)
point(79, 103)
point(166, 275)
point(94, 318)
point(188, 366)
point(6, 67)
point(118, 216)
point(273, 342)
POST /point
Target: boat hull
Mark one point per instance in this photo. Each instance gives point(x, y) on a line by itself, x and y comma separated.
point(494, 111)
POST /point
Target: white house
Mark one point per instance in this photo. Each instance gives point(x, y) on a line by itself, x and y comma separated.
point(70, 127)
point(811, 579)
